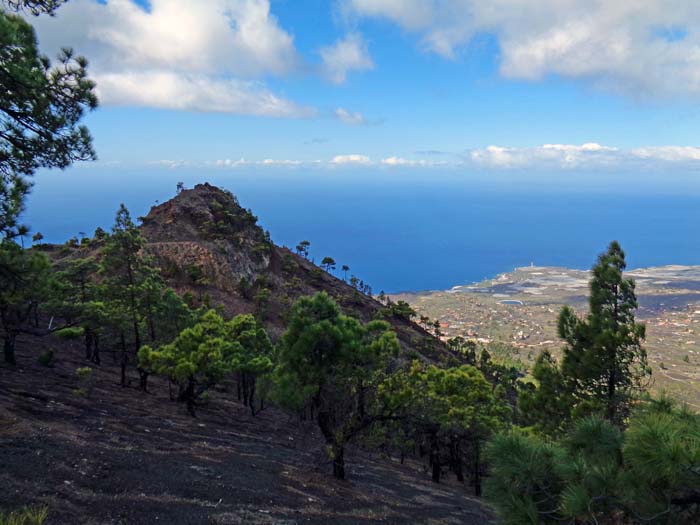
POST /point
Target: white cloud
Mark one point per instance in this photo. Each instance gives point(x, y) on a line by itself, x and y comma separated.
point(179, 54)
point(648, 48)
point(400, 161)
point(195, 92)
point(172, 164)
point(230, 163)
point(585, 156)
point(669, 153)
point(281, 162)
point(351, 159)
point(548, 157)
point(350, 117)
point(347, 54)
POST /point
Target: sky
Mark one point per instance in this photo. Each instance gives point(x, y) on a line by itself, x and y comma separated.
point(556, 86)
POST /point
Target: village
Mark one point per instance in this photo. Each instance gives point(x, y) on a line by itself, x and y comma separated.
point(518, 310)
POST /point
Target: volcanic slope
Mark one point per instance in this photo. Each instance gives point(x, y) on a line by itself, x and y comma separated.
point(122, 456)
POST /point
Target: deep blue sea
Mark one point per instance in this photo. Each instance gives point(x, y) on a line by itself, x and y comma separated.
point(413, 229)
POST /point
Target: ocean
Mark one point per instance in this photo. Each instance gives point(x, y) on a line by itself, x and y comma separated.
point(413, 229)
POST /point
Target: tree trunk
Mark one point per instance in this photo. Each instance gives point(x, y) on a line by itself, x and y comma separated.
point(612, 383)
point(143, 379)
point(187, 396)
point(612, 376)
point(151, 327)
point(9, 349)
point(361, 399)
point(324, 421)
point(244, 381)
point(477, 469)
point(125, 359)
point(251, 394)
point(88, 343)
point(435, 458)
point(456, 461)
point(96, 350)
point(436, 470)
point(338, 461)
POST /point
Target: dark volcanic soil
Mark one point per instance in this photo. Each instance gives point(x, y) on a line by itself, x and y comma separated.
point(125, 457)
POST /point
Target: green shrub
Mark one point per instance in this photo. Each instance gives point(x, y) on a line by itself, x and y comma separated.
point(597, 473)
point(289, 265)
point(46, 358)
point(70, 333)
point(26, 516)
point(86, 379)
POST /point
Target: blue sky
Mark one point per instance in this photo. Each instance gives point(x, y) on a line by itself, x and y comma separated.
point(425, 143)
point(431, 84)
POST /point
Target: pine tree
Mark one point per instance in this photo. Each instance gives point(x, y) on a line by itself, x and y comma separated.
point(254, 358)
point(132, 288)
point(598, 474)
point(333, 365)
point(26, 283)
point(82, 302)
point(201, 356)
point(453, 410)
point(40, 110)
point(548, 403)
point(604, 359)
point(328, 264)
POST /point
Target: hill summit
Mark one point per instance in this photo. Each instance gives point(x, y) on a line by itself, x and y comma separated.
point(207, 244)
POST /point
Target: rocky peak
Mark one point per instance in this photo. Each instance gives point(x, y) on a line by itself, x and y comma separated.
point(202, 213)
point(205, 232)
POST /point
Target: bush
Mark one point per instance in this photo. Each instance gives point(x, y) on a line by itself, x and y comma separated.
point(46, 358)
point(402, 310)
point(70, 333)
point(87, 381)
point(26, 516)
point(599, 474)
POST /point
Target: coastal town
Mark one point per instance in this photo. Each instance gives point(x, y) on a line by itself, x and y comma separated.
point(518, 311)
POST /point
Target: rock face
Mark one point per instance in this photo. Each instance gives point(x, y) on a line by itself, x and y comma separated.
point(204, 234)
point(210, 246)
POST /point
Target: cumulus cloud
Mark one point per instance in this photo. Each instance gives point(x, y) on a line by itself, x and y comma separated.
point(346, 55)
point(179, 54)
point(351, 159)
point(170, 163)
point(649, 48)
point(350, 117)
point(400, 161)
point(229, 163)
point(236, 163)
point(585, 156)
point(195, 92)
point(280, 162)
point(669, 153)
point(550, 157)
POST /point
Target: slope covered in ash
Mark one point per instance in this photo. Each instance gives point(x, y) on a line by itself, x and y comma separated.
point(120, 456)
point(112, 454)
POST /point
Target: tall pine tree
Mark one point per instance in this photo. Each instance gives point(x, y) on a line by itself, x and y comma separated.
point(604, 360)
point(40, 109)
